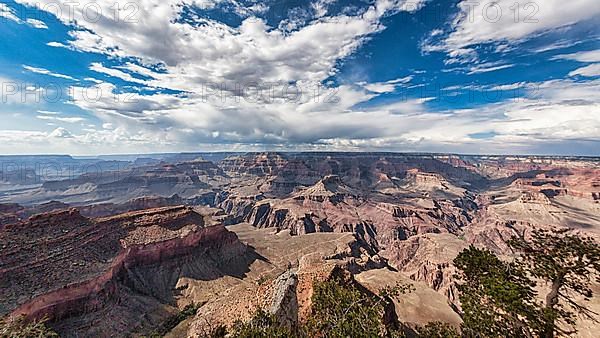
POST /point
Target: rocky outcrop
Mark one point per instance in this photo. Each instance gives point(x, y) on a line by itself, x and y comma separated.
point(428, 258)
point(259, 164)
point(329, 188)
point(88, 263)
point(238, 208)
point(494, 235)
point(266, 215)
point(10, 213)
point(535, 198)
point(416, 308)
point(284, 302)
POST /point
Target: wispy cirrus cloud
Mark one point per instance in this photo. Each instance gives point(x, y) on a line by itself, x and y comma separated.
point(387, 86)
point(98, 67)
point(589, 71)
point(505, 22)
point(590, 56)
point(44, 71)
point(55, 117)
point(37, 23)
point(8, 13)
point(582, 56)
point(488, 67)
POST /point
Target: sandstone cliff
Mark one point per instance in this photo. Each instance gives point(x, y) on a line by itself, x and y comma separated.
point(89, 264)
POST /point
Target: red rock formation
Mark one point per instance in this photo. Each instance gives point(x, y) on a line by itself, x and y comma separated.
point(428, 258)
point(332, 206)
point(83, 261)
point(415, 210)
point(80, 296)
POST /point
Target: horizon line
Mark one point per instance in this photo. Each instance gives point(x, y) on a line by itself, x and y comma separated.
point(358, 152)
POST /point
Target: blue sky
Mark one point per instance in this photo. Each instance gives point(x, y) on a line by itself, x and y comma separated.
point(503, 77)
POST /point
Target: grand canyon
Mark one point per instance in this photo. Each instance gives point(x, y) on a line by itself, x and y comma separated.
point(116, 246)
point(300, 169)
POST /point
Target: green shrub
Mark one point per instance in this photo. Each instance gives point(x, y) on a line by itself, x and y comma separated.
point(339, 309)
point(438, 330)
point(19, 328)
point(263, 324)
